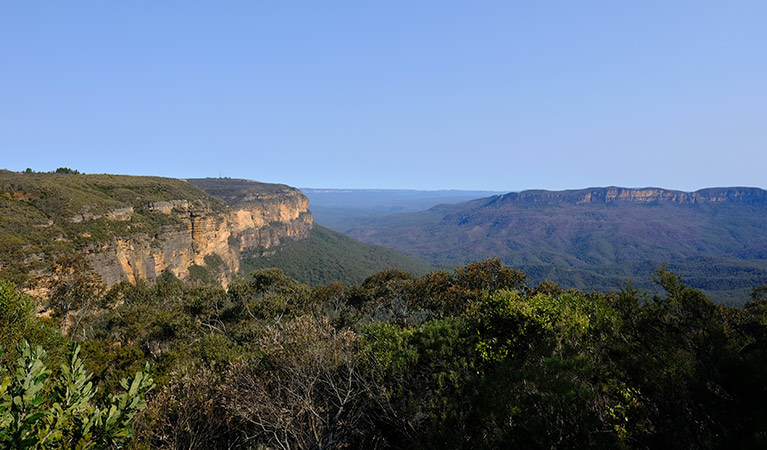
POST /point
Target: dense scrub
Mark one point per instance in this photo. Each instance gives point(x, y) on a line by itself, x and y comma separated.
point(47, 407)
point(470, 359)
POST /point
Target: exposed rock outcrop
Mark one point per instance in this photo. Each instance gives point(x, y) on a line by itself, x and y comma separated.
point(270, 221)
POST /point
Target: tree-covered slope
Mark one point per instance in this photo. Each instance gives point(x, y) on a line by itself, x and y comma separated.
point(327, 256)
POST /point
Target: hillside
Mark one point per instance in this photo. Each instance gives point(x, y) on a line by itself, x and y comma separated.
point(593, 238)
point(327, 256)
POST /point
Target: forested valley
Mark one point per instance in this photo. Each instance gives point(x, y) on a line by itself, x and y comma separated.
point(474, 358)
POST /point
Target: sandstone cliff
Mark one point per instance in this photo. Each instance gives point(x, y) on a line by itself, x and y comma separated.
point(200, 233)
point(262, 215)
point(259, 218)
point(137, 227)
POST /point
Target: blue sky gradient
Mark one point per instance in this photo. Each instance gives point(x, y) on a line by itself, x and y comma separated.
point(423, 95)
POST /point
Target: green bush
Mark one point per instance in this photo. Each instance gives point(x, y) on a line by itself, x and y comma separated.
point(18, 322)
point(44, 412)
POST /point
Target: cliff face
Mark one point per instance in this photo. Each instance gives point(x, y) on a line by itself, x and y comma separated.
point(137, 227)
point(269, 222)
point(201, 233)
point(262, 215)
point(261, 220)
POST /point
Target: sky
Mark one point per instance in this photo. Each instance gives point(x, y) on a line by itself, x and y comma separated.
point(495, 95)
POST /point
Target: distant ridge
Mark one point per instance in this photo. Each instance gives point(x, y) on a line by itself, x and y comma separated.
point(610, 194)
point(593, 238)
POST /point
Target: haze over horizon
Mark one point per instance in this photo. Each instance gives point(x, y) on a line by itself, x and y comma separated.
point(434, 95)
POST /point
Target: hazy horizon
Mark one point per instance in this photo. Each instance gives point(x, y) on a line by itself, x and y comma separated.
point(393, 189)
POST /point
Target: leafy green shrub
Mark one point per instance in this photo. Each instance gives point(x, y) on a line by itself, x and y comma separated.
point(44, 412)
point(18, 322)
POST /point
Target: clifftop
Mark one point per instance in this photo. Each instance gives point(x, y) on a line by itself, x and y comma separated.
point(238, 192)
point(69, 195)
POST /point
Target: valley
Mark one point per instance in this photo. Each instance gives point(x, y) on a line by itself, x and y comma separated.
point(131, 228)
point(336, 208)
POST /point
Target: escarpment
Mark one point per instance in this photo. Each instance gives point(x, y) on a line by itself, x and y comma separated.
point(594, 238)
point(131, 228)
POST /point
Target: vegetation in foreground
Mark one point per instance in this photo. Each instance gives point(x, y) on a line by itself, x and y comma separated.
point(469, 359)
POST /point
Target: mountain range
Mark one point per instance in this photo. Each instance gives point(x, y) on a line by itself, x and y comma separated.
point(594, 238)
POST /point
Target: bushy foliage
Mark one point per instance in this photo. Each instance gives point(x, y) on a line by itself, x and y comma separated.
point(469, 359)
point(19, 323)
point(44, 412)
point(65, 170)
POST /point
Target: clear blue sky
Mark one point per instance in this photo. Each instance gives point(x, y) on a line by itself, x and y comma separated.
point(503, 95)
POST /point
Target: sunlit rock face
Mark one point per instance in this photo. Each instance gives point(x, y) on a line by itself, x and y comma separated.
point(259, 216)
point(176, 248)
point(137, 227)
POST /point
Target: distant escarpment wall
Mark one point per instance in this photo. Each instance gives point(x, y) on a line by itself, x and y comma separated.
point(742, 195)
